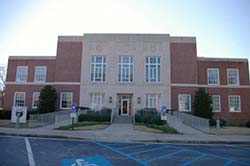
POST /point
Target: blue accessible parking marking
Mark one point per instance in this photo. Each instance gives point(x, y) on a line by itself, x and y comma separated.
point(89, 161)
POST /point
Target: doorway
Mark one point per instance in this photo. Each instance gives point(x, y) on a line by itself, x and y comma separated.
point(124, 104)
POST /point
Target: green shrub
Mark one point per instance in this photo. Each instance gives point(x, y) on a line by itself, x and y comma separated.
point(47, 100)
point(99, 116)
point(5, 114)
point(148, 116)
point(248, 124)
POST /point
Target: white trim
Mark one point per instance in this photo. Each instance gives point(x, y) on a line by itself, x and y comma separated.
point(180, 39)
point(36, 69)
point(222, 59)
point(43, 83)
point(209, 86)
point(14, 100)
point(61, 99)
point(218, 71)
point(18, 67)
point(238, 77)
point(239, 102)
point(33, 101)
point(219, 103)
point(102, 63)
point(131, 58)
point(32, 57)
point(157, 64)
point(190, 105)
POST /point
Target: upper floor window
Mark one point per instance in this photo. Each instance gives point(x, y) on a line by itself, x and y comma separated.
point(184, 102)
point(234, 103)
point(21, 73)
point(152, 101)
point(153, 69)
point(98, 69)
point(19, 99)
point(66, 100)
point(233, 76)
point(216, 103)
point(35, 99)
point(40, 73)
point(125, 69)
point(213, 76)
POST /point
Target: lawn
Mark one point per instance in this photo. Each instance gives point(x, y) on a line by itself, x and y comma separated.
point(7, 123)
point(232, 130)
point(87, 125)
point(155, 128)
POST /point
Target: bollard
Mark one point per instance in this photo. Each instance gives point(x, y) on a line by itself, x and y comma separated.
point(218, 127)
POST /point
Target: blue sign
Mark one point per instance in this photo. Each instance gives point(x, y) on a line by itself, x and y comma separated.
point(164, 109)
point(73, 108)
point(89, 161)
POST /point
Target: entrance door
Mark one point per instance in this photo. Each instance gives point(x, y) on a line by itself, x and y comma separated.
point(124, 106)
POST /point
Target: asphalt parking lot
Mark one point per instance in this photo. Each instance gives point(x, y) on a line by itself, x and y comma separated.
point(52, 152)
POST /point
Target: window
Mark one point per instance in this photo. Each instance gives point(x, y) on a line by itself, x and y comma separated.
point(40, 73)
point(213, 76)
point(66, 100)
point(125, 69)
point(153, 69)
point(98, 69)
point(97, 98)
point(19, 99)
point(35, 100)
point(152, 101)
point(21, 73)
point(184, 102)
point(216, 103)
point(234, 103)
point(233, 76)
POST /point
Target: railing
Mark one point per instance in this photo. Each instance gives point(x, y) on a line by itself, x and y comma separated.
point(53, 118)
point(194, 121)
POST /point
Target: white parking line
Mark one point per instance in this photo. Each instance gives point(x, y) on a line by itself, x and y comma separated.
point(29, 152)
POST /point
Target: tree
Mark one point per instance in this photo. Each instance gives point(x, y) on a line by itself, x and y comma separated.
point(47, 100)
point(3, 70)
point(203, 104)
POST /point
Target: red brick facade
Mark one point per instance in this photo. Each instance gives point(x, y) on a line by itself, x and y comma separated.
point(188, 73)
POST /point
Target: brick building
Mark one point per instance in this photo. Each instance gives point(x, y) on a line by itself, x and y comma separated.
point(129, 72)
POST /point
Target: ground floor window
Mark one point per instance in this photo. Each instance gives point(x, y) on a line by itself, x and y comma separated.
point(19, 99)
point(152, 101)
point(216, 103)
point(35, 99)
point(97, 100)
point(234, 103)
point(66, 100)
point(184, 102)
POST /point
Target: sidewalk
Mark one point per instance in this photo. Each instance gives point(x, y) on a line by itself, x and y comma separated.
point(125, 132)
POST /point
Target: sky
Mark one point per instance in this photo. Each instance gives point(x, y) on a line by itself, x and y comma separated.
point(31, 27)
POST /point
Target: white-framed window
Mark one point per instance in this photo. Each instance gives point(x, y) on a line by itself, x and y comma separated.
point(184, 102)
point(66, 100)
point(98, 69)
point(152, 101)
point(97, 99)
point(35, 99)
point(213, 76)
point(19, 99)
point(21, 73)
point(216, 104)
point(40, 73)
point(232, 76)
point(125, 69)
point(153, 69)
point(234, 103)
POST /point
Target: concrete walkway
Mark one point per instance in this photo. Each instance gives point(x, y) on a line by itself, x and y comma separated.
point(125, 132)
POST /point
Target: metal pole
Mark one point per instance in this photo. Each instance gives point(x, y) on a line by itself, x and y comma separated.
point(72, 123)
point(17, 122)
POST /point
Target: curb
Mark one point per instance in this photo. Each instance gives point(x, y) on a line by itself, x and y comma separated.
point(145, 141)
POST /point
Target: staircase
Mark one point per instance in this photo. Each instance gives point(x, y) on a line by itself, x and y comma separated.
point(122, 119)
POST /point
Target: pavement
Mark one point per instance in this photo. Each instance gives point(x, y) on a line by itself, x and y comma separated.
point(125, 132)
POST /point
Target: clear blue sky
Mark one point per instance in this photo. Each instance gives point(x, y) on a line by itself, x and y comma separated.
point(31, 27)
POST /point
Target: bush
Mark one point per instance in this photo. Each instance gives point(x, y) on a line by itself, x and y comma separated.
point(212, 122)
point(148, 116)
point(248, 124)
point(5, 114)
point(47, 100)
point(103, 115)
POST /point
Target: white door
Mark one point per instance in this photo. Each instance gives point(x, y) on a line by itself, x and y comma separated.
point(124, 106)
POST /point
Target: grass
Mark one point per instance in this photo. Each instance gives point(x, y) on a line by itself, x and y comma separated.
point(87, 125)
point(155, 128)
point(231, 130)
point(7, 123)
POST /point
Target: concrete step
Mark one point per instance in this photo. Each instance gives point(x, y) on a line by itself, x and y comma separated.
point(122, 119)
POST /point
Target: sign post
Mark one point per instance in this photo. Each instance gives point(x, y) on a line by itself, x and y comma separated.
point(164, 113)
point(73, 114)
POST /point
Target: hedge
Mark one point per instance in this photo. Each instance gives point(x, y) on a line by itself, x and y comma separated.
point(148, 116)
point(103, 115)
point(5, 114)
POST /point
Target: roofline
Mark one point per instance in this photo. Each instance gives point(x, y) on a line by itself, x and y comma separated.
point(33, 57)
point(223, 59)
